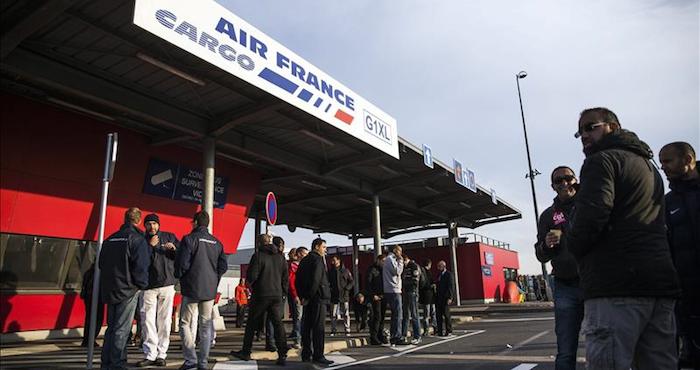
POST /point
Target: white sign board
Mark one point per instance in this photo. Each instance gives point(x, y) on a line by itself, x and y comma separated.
point(494, 200)
point(427, 156)
point(214, 34)
point(469, 180)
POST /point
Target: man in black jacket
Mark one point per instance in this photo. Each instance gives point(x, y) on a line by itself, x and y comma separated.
point(568, 295)
point(618, 236)
point(268, 278)
point(341, 283)
point(683, 221)
point(199, 264)
point(123, 261)
point(426, 297)
point(409, 295)
point(375, 292)
point(445, 294)
point(313, 289)
point(157, 309)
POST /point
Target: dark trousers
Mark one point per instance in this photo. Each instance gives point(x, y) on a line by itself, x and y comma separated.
point(568, 315)
point(443, 317)
point(119, 319)
point(256, 312)
point(99, 319)
point(312, 330)
point(376, 321)
point(240, 314)
point(360, 317)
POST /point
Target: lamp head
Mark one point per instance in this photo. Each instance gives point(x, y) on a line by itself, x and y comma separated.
point(522, 74)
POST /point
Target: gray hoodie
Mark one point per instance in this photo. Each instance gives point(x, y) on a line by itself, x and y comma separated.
point(393, 268)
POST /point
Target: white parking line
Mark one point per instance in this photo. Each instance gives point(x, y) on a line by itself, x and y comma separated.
point(236, 365)
point(523, 343)
point(524, 367)
point(513, 320)
point(418, 348)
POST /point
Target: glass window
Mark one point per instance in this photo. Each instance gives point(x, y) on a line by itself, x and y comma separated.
point(83, 258)
point(36, 262)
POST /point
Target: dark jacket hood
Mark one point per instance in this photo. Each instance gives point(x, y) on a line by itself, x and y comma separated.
point(624, 140)
point(686, 185)
point(269, 249)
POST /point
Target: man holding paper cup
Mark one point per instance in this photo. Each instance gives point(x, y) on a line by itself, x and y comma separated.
point(568, 295)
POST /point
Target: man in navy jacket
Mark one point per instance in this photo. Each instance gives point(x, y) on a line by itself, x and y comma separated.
point(199, 264)
point(124, 260)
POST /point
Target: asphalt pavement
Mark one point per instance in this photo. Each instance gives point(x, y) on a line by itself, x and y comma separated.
point(498, 340)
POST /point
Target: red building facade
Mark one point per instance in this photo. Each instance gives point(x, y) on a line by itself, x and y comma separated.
point(50, 184)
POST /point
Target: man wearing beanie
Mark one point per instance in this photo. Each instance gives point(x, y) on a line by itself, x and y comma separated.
point(157, 309)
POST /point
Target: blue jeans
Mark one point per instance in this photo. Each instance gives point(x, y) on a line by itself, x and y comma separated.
point(410, 312)
point(393, 300)
point(295, 310)
point(568, 314)
point(119, 319)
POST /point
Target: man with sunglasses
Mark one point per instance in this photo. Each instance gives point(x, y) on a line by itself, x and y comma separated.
point(618, 236)
point(568, 295)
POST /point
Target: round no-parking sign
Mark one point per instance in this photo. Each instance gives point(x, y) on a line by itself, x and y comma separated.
point(271, 208)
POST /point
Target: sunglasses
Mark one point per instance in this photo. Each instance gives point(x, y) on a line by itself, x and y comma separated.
point(561, 179)
point(588, 127)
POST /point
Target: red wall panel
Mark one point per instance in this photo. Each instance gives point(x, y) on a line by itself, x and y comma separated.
point(52, 165)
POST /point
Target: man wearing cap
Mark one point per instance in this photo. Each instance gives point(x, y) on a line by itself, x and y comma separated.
point(157, 309)
point(199, 264)
point(550, 246)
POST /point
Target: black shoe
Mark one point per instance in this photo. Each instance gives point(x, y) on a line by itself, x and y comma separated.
point(305, 359)
point(161, 362)
point(323, 361)
point(282, 360)
point(145, 363)
point(270, 348)
point(401, 342)
point(185, 366)
point(245, 356)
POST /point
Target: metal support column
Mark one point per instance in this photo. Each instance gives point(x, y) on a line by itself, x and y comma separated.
point(208, 181)
point(257, 229)
point(355, 262)
point(454, 238)
point(376, 226)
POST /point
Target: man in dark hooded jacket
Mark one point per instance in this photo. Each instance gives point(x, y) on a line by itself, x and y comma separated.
point(618, 236)
point(268, 278)
point(683, 221)
point(568, 295)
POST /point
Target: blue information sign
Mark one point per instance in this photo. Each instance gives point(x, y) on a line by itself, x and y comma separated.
point(486, 270)
point(427, 156)
point(174, 181)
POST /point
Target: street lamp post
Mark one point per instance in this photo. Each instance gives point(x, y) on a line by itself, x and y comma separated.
point(532, 173)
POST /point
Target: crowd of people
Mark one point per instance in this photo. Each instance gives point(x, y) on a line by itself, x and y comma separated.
point(139, 271)
point(624, 255)
point(624, 259)
point(312, 289)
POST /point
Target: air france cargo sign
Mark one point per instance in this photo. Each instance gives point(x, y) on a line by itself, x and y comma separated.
point(212, 33)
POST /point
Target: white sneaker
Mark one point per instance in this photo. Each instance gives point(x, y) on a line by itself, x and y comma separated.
point(416, 341)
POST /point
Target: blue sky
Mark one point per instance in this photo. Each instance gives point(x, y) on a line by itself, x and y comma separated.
point(446, 71)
